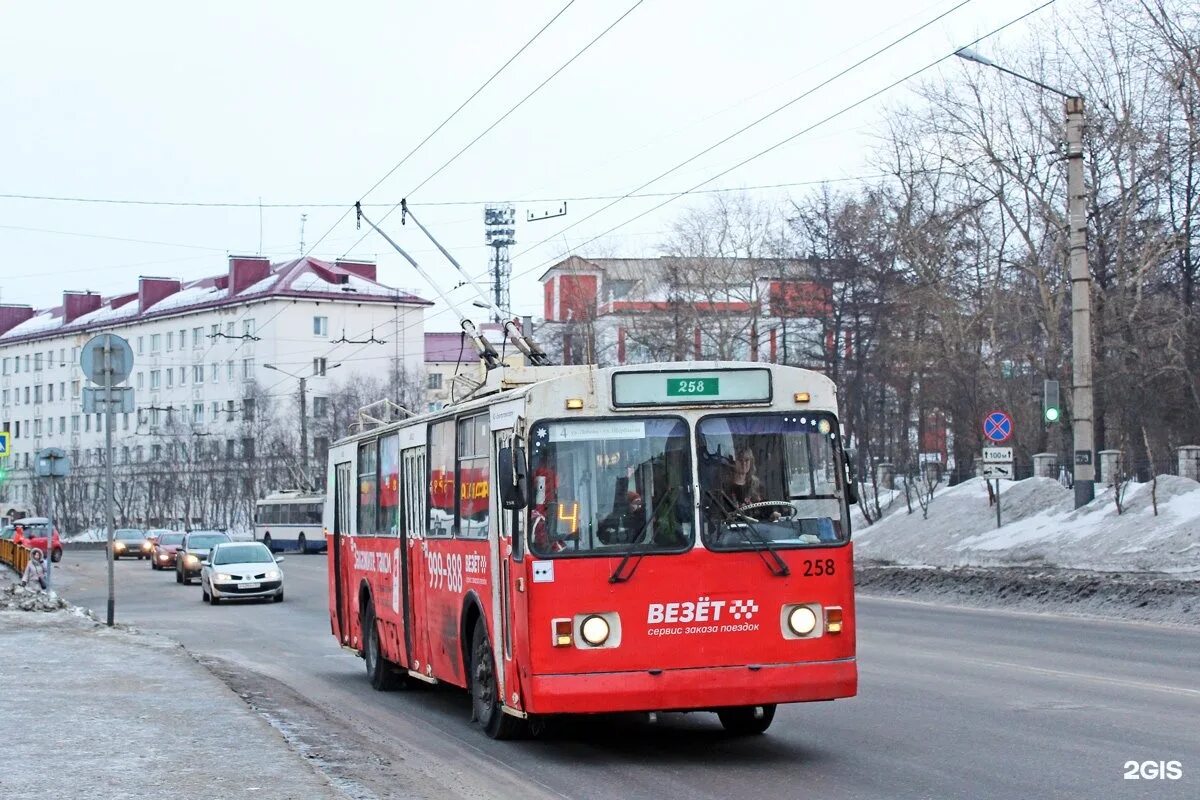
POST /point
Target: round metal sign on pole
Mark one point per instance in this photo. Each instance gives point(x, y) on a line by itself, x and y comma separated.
point(106, 368)
point(998, 426)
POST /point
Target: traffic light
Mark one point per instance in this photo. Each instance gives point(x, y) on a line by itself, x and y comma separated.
point(1051, 410)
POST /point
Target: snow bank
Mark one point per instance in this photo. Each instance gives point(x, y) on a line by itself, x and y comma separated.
point(1041, 526)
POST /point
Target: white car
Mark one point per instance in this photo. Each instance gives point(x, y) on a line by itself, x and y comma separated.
point(239, 570)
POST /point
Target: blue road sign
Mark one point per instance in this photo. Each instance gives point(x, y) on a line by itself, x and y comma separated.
point(998, 426)
point(3, 444)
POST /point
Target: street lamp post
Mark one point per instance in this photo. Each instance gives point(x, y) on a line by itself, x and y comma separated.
point(1081, 286)
point(303, 416)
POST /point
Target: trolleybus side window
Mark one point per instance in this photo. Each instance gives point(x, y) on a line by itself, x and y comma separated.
point(389, 485)
point(367, 485)
point(442, 481)
point(606, 486)
point(770, 477)
point(474, 475)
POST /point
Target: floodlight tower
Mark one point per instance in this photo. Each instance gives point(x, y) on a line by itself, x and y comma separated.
point(500, 232)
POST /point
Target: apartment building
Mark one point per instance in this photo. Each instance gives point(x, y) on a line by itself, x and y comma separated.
point(201, 355)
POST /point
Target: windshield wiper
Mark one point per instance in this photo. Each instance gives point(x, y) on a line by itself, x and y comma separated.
point(757, 541)
point(636, 548)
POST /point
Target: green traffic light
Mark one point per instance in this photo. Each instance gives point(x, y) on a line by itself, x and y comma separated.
point(1052, 414)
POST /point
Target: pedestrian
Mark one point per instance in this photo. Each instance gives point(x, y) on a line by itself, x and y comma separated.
point(19, 534)
point(35, 571)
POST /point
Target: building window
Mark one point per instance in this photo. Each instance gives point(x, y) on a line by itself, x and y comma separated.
point(230, 449)
point(216, 410)
point(141, 382)
point(37, 427)
point(248, 409)
point(6, 365)
point(248, 448)
point(154, 417)
point(5, 401)
point(155, 379)
point(62, 424)
point(197, 413)
point(197, 338)
point(247, 369)
point(216, 372)
point(37, 362)
point(139, 345)
point(26, 395)
point(229, 371)
point(37, 393)
point(182, 339)
point(321, 447)
point(183, 376)
point(87, 423)
point(248, 327)
point(74, 390)
point(214, 331)
point(170, 378)
point(50, 392)
point(156, 452)
point(170, 341)
point(320, 406)
point(320, 326)
point(155, 342)
point(434, 381)
point(319, 367)
point(74, 423)
point(125, 421)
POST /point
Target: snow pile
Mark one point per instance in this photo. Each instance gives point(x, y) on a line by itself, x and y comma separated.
point(16, 597)
point(1041, 526)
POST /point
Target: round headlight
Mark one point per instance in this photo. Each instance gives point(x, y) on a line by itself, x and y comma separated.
point(594, 630)
point(802, 620)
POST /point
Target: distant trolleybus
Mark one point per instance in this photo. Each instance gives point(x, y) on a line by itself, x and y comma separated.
point(668, 537)
point(290, 521)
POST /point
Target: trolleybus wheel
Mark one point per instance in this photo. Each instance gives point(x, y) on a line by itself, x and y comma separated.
point(485, 697)
point(747, 720)
point(383, 678)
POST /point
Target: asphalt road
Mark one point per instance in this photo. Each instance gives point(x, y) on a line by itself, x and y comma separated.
point(953, 703)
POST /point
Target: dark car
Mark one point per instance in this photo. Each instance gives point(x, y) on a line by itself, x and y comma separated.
point(165, 547)
point(194, 549)
point(129, 542)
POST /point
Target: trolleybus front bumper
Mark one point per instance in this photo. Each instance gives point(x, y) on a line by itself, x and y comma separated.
point(693, 689)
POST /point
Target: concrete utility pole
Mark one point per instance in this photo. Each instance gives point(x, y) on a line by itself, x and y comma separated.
point(1081, 309)
point(1082, 407)
point(304, 433)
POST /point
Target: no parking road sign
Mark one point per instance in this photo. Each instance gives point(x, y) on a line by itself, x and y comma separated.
point(998, 426)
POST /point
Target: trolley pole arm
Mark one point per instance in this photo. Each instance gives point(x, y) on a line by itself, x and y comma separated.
point(487, 352)
point(519, 338)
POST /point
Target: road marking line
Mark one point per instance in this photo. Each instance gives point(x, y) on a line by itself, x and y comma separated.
point(1158, 687)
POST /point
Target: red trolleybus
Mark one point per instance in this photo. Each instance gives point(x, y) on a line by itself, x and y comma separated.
point(669, 537)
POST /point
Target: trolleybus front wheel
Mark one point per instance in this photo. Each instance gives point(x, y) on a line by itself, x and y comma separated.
point(747, 720)
point(485, 697)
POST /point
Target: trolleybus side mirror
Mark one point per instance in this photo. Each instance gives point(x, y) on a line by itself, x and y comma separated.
point(851, 478)
point(510, 466)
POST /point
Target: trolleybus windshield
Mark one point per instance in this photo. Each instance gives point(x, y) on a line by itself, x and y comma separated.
point(602, 487)
point(769, 478)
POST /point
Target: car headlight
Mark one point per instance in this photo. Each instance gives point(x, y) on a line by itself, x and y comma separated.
point(802, 620)
point(273, 575)
point(594, 630)
point(190, 559)
point(119, 545)
point(223, 578)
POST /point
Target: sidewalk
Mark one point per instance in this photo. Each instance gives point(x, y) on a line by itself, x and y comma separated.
point(128, 715)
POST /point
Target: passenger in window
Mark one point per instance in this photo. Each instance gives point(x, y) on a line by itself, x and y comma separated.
point(626, 523)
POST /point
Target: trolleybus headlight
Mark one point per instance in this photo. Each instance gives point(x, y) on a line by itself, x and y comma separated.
point(802, 620)
point(594, 630)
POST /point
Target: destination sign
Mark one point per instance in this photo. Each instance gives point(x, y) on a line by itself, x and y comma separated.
point(691, 387)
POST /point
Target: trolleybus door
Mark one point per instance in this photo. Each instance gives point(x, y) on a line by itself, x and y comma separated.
point(414, 480)
point(508, 599)
point(343, 503)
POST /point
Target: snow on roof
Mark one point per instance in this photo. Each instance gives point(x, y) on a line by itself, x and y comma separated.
point(1041, 526)
point(299, 276)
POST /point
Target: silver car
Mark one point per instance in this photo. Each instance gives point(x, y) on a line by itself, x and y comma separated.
point(241, 570)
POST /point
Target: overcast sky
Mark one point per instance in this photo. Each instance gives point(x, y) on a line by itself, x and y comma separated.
point(306, 102)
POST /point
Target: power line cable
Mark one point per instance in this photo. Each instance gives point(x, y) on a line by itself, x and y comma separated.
point(500, 119)
point(444, 122)
point(782, 142)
